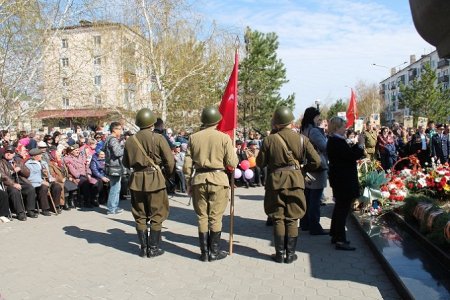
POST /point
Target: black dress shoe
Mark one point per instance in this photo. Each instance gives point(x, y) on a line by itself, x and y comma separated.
point(344, 246)
point(21, 216)
point(334, 241)
point(32, 214)
point(323, 232)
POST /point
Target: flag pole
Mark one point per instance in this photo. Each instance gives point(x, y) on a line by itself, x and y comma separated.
point(232, 202)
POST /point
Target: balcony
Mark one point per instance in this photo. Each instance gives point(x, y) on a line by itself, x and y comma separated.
point(443, 63)
point(401, 79)
point(412, 74)
point(443, 79)
point(393, 86)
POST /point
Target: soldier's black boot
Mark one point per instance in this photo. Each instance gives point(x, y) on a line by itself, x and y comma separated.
point(153, 244)
point(279, 249)
point(291, 244)
point(204, 248)
point(214, 247)
point(143, 241)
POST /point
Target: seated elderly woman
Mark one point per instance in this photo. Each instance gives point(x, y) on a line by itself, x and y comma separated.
point(343, 177)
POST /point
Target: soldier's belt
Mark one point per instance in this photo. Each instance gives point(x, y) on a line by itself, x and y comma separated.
point(207, 170)
point(146, 169)
point(285, 169)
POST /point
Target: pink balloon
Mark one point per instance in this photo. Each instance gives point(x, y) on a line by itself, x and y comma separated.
point(248, 174)
point(245, 164)
point(237, 173)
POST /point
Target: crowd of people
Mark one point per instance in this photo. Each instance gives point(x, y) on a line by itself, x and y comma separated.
point(51, 173)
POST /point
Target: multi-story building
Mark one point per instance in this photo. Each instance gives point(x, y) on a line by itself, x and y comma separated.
point(93, 70)
point(390, 87)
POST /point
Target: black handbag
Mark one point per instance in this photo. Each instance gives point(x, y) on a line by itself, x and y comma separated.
point(70, 186)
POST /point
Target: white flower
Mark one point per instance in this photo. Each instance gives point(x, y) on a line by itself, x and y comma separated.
point(385, 194)
point(422, 182)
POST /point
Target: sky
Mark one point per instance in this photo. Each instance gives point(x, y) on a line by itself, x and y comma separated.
point(327, 46)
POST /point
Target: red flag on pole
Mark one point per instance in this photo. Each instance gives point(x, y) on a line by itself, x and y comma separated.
point(352, 112)
point(228, 106)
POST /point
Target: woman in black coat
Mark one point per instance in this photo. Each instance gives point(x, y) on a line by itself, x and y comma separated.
point(343, 177)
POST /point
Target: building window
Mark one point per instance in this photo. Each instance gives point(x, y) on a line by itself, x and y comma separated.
point(65, 81)
point(98, 80)
point(97, 40)
point(97, 60)
point(65, 43)
point(65, 62)
point(98, 100)
point(65, 102)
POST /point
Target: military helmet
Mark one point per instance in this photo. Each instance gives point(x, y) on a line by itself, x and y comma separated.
point(282, 116)
point(145, 118)
point(210, 116)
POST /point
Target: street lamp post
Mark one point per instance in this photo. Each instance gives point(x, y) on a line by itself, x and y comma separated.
point(317, 102)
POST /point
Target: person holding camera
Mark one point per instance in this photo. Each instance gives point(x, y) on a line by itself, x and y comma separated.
point(343, 176)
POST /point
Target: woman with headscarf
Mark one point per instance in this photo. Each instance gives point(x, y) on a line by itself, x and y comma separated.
point(314, 188)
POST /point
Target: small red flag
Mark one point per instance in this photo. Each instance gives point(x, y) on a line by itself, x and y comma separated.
point(352, 112)
point(228, 106)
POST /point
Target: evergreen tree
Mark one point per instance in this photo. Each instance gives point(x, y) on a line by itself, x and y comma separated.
point(261, 76)
point(336, 107)
point(426, 99)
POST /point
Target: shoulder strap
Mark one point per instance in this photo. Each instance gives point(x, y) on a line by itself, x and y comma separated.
point(286, 150)
point(150, 160)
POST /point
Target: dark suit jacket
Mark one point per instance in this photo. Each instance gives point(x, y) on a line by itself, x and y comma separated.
point(342, 172)
point(440, 147)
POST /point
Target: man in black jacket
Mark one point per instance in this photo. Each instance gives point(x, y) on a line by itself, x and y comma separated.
point(440, 146)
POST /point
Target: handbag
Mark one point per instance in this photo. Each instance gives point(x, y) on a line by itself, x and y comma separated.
point(112, 170)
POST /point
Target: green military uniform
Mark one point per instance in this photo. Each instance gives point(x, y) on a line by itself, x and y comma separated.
point(209, 154)
point(284, 200)
point(147, 185)
point(370, 141)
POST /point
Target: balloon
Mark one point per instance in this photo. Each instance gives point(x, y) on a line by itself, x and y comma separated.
point(252, 162)
point(248, 174)
point(237, 173)
point(244, 165)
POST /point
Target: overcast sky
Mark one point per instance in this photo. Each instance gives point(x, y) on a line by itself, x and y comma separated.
point(327, 45)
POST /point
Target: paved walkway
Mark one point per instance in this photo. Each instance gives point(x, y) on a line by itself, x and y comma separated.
point(88, 255)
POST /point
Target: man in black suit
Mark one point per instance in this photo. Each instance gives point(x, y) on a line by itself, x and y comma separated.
point(440, 146)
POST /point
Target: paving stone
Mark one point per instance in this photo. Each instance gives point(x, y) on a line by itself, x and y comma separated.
point(86, 255)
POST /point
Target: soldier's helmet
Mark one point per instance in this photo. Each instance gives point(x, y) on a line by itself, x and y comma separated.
point(145, 118)
point(282, 116)
point(210, 116)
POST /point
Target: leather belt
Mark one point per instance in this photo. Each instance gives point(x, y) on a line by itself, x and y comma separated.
point(146, 169)
point(287, 168)
point(207, 170)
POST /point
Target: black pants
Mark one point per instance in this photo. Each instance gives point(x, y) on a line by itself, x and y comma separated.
point(4, 204)
point(28, 195)
point(86, 189)
point(340, 213)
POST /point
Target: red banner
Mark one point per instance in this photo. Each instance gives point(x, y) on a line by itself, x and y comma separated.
point(352, 112)
point(228, 106)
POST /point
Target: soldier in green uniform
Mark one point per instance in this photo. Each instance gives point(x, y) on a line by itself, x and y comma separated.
point(210, 154)
point(147, 153)
point(370, 140)
point(283, 152)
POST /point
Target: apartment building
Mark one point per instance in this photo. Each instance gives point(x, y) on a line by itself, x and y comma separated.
point(390, 87)
point(93, 71)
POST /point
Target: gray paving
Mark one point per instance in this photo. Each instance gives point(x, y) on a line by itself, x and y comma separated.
point(88, 255)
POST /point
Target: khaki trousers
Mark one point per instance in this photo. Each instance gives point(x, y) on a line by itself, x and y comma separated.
point(285, 207)
point(149, 206)
point(210, 202)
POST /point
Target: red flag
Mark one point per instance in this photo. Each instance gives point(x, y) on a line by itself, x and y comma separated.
point(228, 106)
point(352, 112)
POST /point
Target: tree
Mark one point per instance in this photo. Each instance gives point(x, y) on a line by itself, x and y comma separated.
point(189, 65)
point(368, 100)
point(425, 98)
point(261, 77)
point(25, 29)
point(338, 106)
